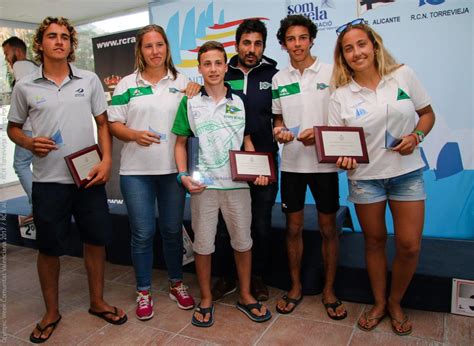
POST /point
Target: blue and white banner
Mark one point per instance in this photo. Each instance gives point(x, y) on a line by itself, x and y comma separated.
point(434, 37)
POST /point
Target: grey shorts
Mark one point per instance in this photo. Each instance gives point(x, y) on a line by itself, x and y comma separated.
point(235, 206)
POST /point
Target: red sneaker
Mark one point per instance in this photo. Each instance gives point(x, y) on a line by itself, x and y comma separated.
point(179, 293)
point(144, 309)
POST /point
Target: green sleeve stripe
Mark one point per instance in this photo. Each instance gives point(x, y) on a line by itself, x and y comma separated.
point(286, 90)
point(119, 100)
point(275, 94)
point(181, 125)
point(130, 93)
point(237, 84)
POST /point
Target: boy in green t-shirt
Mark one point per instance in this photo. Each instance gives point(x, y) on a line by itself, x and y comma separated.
point(219, 118)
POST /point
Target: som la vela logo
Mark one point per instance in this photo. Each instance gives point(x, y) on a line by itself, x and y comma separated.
point(317, 12)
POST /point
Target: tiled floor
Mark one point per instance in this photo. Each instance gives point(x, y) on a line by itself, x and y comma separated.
point(308, 325)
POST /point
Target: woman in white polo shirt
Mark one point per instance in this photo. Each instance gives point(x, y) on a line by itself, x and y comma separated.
point(386, 99)
point(142, 113)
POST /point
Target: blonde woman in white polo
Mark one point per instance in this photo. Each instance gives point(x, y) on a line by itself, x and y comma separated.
point(143, 109)
point(373, 90)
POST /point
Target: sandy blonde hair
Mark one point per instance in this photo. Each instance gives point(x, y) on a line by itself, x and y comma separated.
point(140, 63)
point(384, 62)
point(38, 39)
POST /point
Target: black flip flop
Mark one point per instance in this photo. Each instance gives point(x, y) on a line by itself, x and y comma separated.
point(203, 312)
point(288, 300)
point(39, 340)
point(334, 306)
point(247, 310)
point(103, 315)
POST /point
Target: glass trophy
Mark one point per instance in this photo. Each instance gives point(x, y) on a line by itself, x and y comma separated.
point(192, 148)
point(194, 169)
point(397, 125)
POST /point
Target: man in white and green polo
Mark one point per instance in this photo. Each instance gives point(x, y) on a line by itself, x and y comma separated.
point(300, 95)
point(219, 118)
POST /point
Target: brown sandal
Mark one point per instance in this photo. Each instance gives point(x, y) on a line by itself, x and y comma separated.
point(378, 319)
point(401, 323)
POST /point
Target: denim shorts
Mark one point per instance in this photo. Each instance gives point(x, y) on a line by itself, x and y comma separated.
point(405, 187)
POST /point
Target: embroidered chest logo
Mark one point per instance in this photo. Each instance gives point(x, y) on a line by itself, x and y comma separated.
point(359, 111)
point(402, 95)
point(230, 109)
point(265, 85)
point(173, 90)
point(79, 92)
point(39, 99)
point(195, 111)
point(321, 86)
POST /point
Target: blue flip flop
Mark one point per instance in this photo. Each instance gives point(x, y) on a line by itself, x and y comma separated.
point(247, 310)
point(203, 312)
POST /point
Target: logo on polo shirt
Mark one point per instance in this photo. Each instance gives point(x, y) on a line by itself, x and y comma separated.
point(173, 90)
point(39, 99)
point(284, 92)
point(230, 109)
point(79, 93)
point(402, 95)
point(321, 86)
point(360, 112)
point(265, 85)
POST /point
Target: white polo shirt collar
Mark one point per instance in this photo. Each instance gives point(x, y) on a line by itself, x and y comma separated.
point(143, 81)
point(315, 67)
point(355, 87)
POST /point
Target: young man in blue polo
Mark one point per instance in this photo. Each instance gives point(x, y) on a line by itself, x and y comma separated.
point(61, 101)
point(219, 118)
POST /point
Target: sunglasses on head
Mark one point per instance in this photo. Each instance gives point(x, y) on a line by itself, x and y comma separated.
point(343, 27)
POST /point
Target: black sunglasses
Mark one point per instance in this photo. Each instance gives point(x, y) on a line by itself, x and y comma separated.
point(343, 27)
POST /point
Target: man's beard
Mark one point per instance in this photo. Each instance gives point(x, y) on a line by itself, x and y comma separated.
point(242, 61)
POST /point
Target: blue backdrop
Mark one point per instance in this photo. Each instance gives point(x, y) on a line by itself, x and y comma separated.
point(434, 37)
